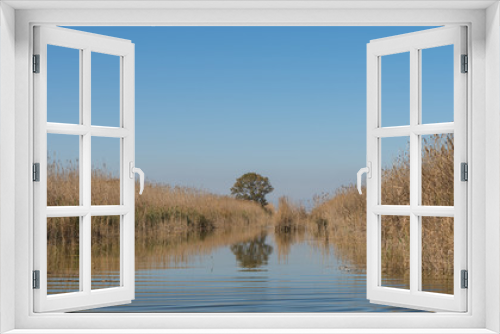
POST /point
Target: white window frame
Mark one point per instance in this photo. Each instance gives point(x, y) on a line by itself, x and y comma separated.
point(414, 44)
point(86, 44)
point(16, 126)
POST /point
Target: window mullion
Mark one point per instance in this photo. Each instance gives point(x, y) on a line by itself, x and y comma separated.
point(86, 170)
point(418, 157)
point(85, 249)
point(414, 170)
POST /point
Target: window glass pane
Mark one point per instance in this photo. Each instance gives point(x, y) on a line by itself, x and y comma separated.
point(63, 255)
point(395, 251)
point(105, 171)
point(105, 90)
point(395, 174)
point(105, 252)
point(63, 172)
point(437, 254)
point(437, 84)
point(395, 89)
point(63, 85)
point(438, 170)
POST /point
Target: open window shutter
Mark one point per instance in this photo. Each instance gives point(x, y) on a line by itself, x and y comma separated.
point(86, 293)
point(415, 295)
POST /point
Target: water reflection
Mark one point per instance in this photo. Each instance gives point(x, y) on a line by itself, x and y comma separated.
point(274, 271)
point(285, 239)
point(253, 253)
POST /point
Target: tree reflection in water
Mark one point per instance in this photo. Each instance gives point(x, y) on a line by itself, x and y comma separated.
point(253, 253)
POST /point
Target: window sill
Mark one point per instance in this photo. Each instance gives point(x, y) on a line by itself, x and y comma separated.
point(250, 331)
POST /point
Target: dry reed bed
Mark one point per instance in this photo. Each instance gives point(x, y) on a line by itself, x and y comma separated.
point(166, 218)
point(161, 208)
point(165, 214)
point(341, 219)
point(180, 208)
point(289, 216)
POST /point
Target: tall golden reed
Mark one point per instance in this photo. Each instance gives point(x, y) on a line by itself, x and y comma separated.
point(342, 217)
point(289, 216)
point(165, 218)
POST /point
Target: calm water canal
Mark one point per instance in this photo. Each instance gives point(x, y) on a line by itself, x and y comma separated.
point(253, 275)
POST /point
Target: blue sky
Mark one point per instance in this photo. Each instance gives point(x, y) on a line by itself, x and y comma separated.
point(213, 103)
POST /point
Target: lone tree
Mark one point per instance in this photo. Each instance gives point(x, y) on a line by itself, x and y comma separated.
point(252, 187)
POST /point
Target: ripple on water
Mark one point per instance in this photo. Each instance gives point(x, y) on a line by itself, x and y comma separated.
point(253, 277)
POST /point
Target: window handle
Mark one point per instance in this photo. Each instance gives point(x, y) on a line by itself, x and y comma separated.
point(133, 170)
point(368, 171)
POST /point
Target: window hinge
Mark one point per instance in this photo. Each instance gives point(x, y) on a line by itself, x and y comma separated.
point(36, 172)
point(36, 63)
point(464, 171)
point(465, 279)
point(465, 64)
point(36, 279)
